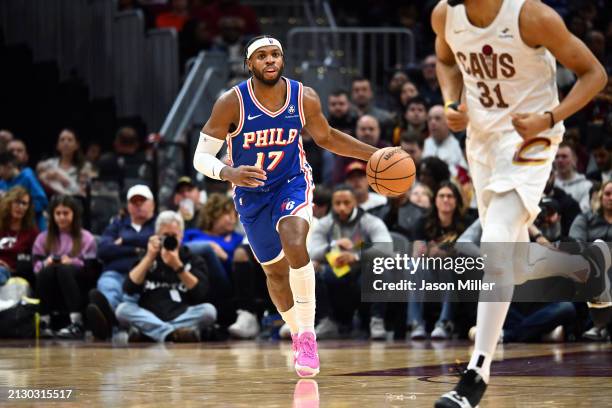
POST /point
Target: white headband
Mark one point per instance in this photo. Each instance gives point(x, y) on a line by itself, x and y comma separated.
point(263, 42)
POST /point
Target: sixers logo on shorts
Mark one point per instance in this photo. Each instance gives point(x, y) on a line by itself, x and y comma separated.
point(287, 205)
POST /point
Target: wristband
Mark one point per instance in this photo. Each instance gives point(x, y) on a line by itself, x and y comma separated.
point(552, 119)
point(451, 104)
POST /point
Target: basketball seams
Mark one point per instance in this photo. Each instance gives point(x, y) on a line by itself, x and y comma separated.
point(394, 163)
point(379, 184)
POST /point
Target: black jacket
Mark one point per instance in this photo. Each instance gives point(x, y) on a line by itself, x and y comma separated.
point(155, 292)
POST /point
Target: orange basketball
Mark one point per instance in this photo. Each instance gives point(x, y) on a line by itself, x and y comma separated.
point(391, 171)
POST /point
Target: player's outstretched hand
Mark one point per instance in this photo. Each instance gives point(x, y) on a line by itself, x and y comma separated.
point(529, 125)
point(244, 176)
point(457, 118)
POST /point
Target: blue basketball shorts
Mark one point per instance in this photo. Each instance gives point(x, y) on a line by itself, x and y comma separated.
point(260, 213)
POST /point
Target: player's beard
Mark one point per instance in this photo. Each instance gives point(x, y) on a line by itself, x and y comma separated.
point(453, 3)
point(270, 82)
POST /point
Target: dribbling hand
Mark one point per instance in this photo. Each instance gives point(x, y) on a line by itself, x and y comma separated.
point(244, 176)
point(457, 119)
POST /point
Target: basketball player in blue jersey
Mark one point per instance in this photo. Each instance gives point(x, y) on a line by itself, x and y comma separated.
point(261, 120)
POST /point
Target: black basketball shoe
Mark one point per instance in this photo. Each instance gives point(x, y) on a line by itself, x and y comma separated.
point(600, 259)
point(467, 393)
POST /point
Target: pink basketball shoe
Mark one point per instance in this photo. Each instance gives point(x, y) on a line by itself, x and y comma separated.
point(307, 361)
point(294, 346)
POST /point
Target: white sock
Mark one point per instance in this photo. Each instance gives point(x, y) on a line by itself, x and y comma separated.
point(490, 321)
point(289, 318)
point(505, 225)
point(302, 282)
point(76, 317)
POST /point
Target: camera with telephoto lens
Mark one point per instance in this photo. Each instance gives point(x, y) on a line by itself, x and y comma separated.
point(169, 242)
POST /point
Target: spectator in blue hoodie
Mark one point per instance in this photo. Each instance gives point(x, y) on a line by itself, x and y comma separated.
point(11, 175)
point(123, 243)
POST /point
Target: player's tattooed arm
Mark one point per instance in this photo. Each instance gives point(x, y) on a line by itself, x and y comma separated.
point(540, 25)
point(327, 137)
point(448, 73)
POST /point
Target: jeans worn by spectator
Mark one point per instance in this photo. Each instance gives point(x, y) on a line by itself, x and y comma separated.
point(110, 284)
point(197, 316)
point(521, 326)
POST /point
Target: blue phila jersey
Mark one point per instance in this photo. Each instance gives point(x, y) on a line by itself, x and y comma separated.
point(270, 140)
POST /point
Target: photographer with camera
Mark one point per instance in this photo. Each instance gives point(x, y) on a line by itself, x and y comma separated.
point(172, 284)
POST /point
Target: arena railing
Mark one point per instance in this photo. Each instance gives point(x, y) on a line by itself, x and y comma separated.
point(205, 81)
point(346, 52)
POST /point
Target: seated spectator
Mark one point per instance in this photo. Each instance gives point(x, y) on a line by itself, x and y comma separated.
point(67, 173)
point(413, 120)
point(17, 233)
point(123, 243)
point(404, 213)
point(11, 175)
point(569, 180)
point(430, 89)
point(355, 177)
point(362, 97)
point(176, 17)
point(187, 201)
point(409, 90)
point(337, 239)
point(92, 157)
point(127, 161)
point(216, 226)
point(596, 223)
point(440, 228)
point(568, 207)
point(368, 131)
point(412, 145)
point(172, 286)
point(59, 262)
point(392, 101)
point(442, 143)
point(341, 116)
point(602, 153)
point(20, 151)
point(432, 171)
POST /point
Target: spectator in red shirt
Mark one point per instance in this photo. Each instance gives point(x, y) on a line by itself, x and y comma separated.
point(176, 18)
point(17, 230)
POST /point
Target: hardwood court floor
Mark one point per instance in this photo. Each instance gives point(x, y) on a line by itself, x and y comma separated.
point(248, 374)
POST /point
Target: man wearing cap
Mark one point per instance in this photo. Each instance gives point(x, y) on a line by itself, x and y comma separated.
point(123, 243)
point(355, 176)
point(262, 120)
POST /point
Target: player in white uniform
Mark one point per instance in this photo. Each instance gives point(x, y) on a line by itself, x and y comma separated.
point(496, 68)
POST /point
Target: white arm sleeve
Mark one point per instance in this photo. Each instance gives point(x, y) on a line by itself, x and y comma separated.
point(204, 159)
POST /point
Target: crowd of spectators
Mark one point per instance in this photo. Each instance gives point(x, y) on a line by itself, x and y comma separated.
point(188, 273)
